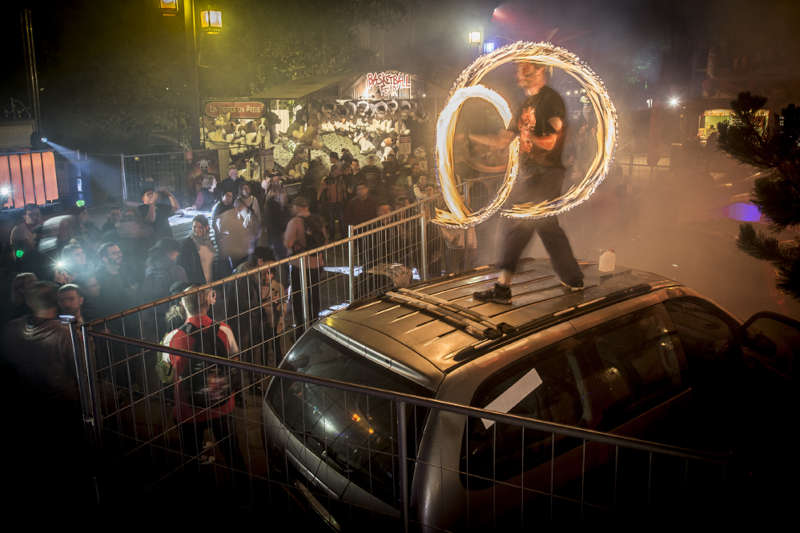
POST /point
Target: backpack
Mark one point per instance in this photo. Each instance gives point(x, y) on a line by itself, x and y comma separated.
point(208, 385)
point(315, 236)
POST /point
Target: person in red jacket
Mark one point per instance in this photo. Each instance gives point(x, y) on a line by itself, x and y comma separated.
point(203, 396)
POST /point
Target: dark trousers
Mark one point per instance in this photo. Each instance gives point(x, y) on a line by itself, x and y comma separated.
point(297, 295)
point(541, 184)
point(224, 430)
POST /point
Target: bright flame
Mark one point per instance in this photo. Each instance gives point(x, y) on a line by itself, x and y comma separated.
point(459, 215)
point(356, 418)
point(544, 54)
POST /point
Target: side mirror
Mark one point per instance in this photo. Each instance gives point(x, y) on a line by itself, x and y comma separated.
point(774, 338)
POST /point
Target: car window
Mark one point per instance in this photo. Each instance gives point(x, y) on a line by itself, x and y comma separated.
point(354, 433)
point(632, 364)
point(705, 331)
point(541, 386)
point(707, 335)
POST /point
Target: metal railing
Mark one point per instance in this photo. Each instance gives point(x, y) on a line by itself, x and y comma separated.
point(572, 471)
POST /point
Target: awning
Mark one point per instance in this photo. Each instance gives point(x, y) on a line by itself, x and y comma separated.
point(303, 87)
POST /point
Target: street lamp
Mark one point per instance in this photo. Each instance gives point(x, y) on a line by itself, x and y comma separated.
point(211, 21)
point(169, 8)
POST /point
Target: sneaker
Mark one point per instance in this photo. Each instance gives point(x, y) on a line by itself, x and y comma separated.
point(573, 287)
point(499, 294)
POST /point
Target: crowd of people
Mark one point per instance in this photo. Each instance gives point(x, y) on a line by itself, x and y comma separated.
point(134, 258)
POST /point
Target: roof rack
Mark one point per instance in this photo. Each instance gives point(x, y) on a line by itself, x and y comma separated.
point(470, 352)
point(474, 323)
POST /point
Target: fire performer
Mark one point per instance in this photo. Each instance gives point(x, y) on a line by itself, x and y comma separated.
point(541, 126)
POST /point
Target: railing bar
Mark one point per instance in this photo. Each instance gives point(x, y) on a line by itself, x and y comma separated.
point(530, 423)
point(552, 470)
point(583, 474)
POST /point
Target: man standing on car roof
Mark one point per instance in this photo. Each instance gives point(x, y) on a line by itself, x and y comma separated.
point(541, 126)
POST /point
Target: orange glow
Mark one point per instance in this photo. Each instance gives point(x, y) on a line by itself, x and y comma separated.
point(356, 418)
point(5, 180)
point(29, 177)
point(169, 8)
point(371, 431)
point(50, 179)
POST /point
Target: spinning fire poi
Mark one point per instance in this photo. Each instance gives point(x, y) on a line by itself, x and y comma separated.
point(535, 138)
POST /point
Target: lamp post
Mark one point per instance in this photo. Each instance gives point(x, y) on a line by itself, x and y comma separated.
point(475, 39)
point(211, 23)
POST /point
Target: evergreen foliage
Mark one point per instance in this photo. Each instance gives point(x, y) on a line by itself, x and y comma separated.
point(777, 193)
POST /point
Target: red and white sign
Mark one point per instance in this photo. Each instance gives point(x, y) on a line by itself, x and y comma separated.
point(388, 83)
point(251, 109)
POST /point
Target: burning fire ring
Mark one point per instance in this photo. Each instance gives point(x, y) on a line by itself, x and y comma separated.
point(467, 86)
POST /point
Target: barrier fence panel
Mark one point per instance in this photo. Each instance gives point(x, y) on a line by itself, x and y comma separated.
point(168, 170)
point(256, 440)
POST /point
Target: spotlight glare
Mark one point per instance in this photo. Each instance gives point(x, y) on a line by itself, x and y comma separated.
point(674, 101)
point(5, 191)
point(44, 139)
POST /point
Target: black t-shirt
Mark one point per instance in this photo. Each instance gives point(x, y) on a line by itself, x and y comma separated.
point(542, 106)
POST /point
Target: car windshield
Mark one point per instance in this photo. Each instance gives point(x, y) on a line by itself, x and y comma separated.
point(353, 432)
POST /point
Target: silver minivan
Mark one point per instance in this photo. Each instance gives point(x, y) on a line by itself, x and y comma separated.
point(633, 354)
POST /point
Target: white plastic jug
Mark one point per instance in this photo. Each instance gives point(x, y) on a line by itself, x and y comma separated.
point(608, 260)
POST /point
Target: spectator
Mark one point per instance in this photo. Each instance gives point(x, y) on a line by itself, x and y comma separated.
point(21, 283)
point(39, 348)
point(361, 208)
point(134, 237)
point(76, 227)
point(359, 177)
point(70, 302)
point(383, 209)
point(205, 185)
point(236, 231)
point(371, 173)
point(400, 201)
point(114, 216)
point(225, 203)
point(162, 270)
point(305, 232)
point(332, 196)
point(460, 248)
point(155, 211)
point(420, 187)
point(249, 201)
point(176, 315)
point(117, 289)
point(91, 295)
point(23, 235)
point(71, 264)
point(264, 297)
point(202, 391)
point(197, 253)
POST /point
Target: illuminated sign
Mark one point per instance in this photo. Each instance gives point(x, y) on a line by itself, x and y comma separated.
point(388, 84)
point(249, 109)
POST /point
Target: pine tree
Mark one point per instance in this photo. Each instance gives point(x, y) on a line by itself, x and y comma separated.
point(777, 193)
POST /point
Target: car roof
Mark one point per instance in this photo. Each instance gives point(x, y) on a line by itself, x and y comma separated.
point(539, 300)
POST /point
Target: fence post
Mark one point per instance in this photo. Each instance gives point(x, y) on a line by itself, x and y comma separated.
point(402, 450)
point(304, 289)
point(423, 234)
point(88, 408)
point(123, 178)
point(350, 264)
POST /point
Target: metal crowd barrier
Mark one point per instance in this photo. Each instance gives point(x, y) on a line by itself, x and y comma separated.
point(152, 453)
